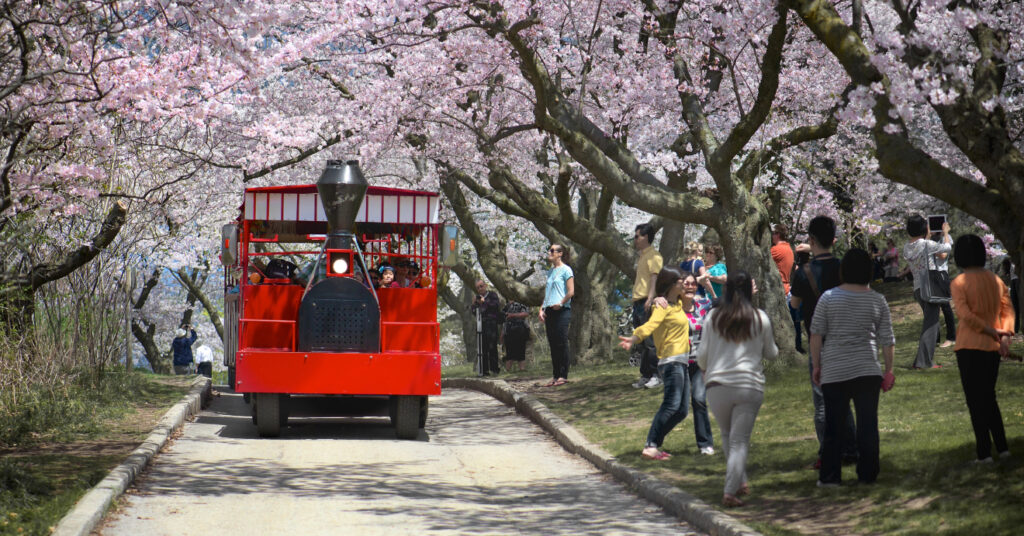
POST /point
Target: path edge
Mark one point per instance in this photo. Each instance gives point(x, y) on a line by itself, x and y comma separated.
point(673, 500)
point(89, 510)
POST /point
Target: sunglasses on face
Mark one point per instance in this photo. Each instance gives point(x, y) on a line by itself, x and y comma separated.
point(553, 250)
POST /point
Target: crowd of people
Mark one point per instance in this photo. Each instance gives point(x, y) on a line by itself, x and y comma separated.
point(704, 342)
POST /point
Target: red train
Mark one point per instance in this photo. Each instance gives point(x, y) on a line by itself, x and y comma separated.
point(302, 313)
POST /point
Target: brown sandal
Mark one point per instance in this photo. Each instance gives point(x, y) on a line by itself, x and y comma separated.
point(731, 501)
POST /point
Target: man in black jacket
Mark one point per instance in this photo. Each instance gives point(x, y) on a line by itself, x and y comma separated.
point(824, 271)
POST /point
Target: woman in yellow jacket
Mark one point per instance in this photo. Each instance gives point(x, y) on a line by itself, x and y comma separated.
point(671, 331)
point(982, 303)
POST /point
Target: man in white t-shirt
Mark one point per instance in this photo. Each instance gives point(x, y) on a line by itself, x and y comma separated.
point(204, 361)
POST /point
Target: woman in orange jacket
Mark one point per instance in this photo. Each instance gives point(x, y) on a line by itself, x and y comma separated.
point(982, 303)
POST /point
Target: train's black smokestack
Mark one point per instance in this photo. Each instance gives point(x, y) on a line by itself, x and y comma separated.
point(342, 188)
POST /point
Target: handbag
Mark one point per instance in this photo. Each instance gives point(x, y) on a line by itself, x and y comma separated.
point(935, 285)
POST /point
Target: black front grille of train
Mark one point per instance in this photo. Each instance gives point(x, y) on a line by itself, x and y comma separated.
point(339, 315)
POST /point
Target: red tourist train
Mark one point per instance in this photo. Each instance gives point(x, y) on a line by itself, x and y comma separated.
point(302, 313)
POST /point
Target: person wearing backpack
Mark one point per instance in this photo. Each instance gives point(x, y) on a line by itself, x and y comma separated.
point(810, 280)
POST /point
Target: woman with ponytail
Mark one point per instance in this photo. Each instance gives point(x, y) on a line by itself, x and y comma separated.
point(738, 337)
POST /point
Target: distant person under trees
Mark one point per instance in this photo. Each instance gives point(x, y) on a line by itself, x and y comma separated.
point(809, 282)
point(556, 312)
point(182, 349)
point(648, 266)
point(986, 318)
point(487, 307)
point(918, 253)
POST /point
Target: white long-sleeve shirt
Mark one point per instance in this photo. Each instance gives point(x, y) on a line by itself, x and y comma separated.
point(736, 364)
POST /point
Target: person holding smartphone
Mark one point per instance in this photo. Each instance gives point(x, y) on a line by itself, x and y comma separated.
point(918, 253)
point(941, 263)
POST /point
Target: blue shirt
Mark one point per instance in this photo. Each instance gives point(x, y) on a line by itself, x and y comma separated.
point(717, 269)
point(555, 289)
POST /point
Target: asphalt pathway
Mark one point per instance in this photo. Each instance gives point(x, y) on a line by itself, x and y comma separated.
point(477, 468)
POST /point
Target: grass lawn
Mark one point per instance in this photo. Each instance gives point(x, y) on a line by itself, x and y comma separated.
point(927, 484)
point(40, 481)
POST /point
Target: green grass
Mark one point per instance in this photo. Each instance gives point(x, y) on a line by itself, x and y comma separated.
point(927, 484)
point(71, 440)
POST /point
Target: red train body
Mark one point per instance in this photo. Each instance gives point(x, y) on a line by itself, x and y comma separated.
point(330, 333)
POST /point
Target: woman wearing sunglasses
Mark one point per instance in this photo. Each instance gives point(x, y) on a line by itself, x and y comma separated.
point(557, 311)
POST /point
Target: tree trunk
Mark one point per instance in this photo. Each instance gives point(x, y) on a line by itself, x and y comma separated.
point(592, 332)
point(195, 289)
point(746, 237)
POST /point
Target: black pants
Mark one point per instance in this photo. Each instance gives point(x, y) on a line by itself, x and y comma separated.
point(979, 371)
point(863, 391)
point(648, 354)
point(489, 359)
point(556, 325)
point(947, 315)
point(516, 337)
point(206, 369)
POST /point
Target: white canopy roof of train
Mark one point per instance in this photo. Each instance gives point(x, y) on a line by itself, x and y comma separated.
point(302, 203)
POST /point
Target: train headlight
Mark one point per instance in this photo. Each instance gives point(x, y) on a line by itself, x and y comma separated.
point(339, 266)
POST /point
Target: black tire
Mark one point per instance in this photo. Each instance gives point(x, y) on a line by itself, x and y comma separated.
point(268, 414)
point(424, 404)
point(407, 416)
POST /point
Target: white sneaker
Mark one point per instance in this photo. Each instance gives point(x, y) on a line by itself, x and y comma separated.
point(640, 383)
point(653, 382)
point(983, 460)
point(710, 451)
point(1004, 454)
point(828, 484)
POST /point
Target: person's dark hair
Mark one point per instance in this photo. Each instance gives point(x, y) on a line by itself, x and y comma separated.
point(823, 229)
point(564, 250)
point(917, 226)
point(647, 230)
point(716, 250)
point(668, 277)
point(969, 251)
point(782, 231)
point(735, 315)
point(856, 267)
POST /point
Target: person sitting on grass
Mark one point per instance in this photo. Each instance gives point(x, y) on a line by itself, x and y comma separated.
point(850, 322)
point(670, 329)
point(982, 302)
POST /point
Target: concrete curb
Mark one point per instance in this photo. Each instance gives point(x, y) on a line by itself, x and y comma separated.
point(673, 500)
point(89, 510)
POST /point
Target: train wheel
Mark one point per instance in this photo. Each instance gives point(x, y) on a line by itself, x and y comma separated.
point(424, 403)
point(268, 413)
point(407, 416)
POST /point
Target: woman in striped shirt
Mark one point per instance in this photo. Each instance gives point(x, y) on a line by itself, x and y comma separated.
point(850, 322)
point(982, 302)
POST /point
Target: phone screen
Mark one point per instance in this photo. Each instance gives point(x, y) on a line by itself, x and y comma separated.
point(935, 222)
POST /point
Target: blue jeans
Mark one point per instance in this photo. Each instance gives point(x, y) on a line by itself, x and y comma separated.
point(699, 399)
point(674, 405)
point(556, 325)
point(648, 354)
point(794, 313)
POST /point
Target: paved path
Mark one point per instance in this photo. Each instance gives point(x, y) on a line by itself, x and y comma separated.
point(478, 468)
